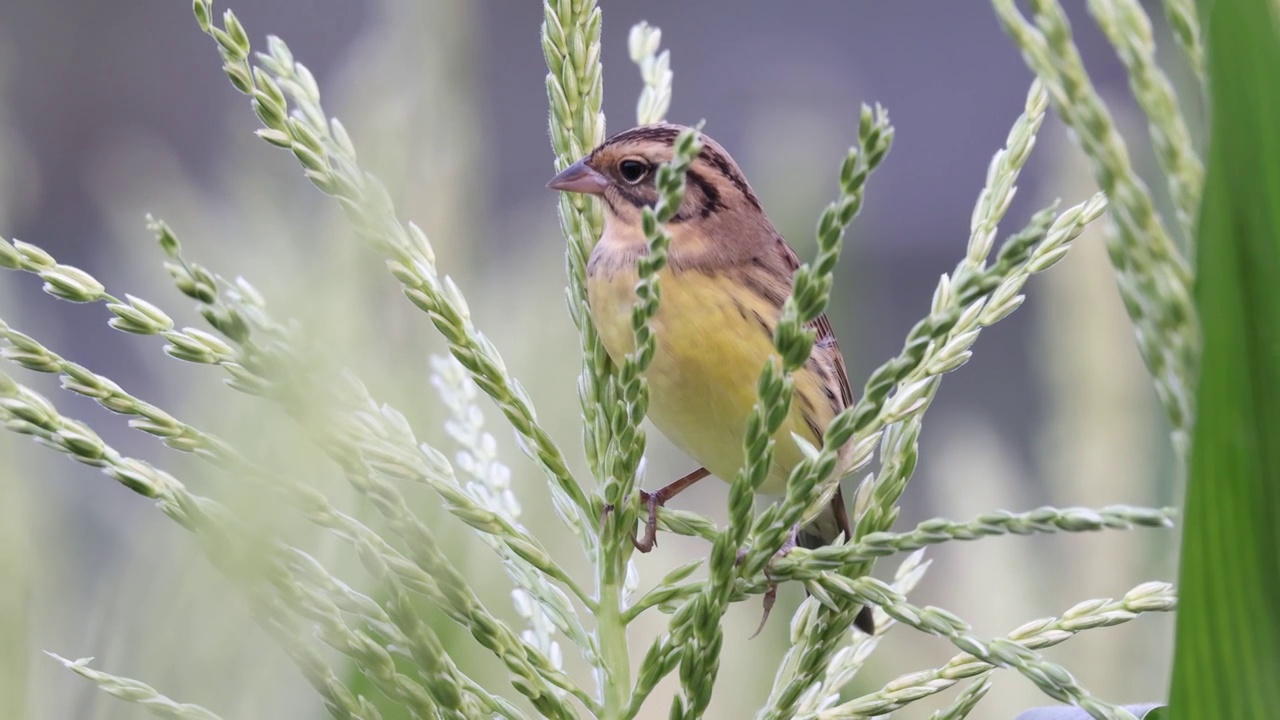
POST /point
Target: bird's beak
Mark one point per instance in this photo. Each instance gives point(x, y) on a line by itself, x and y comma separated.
point(579, 178)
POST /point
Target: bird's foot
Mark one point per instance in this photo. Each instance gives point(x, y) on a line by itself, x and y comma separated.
point(649, 540)
point(658, 498)
point(771, 594)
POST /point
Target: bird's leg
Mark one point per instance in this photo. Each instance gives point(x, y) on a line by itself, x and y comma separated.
point(865, 621)
point(771, 595)
point(658, 498)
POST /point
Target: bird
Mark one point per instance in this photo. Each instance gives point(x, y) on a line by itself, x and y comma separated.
point(728, 273)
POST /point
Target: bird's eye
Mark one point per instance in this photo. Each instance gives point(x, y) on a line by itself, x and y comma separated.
point(632, 170)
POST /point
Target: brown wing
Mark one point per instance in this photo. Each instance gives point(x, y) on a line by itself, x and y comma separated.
point(825, 343)
point(826, 360)
point(826, 338)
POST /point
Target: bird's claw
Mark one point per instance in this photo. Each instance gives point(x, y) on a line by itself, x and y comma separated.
point(649, 540)
point(771, 594)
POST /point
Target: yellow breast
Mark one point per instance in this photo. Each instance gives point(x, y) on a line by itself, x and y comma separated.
point(713, 339)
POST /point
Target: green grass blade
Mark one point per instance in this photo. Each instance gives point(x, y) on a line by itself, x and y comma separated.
point(1227, 657)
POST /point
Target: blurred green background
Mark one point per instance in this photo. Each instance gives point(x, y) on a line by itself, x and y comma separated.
point(112, 110)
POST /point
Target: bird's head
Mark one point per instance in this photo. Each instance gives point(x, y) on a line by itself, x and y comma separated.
point(622, 172)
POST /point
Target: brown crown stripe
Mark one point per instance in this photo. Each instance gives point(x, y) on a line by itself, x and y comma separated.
point(711, 153)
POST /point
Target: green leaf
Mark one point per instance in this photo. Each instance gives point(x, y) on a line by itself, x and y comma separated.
point(1227, 655)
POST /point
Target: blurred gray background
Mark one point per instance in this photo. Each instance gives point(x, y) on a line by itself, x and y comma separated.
point(112, 110)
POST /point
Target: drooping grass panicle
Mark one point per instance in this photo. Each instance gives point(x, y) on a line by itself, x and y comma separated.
point(374, 445)
point(135, 692)
point(386, 562)
point(1035, 635)
point(1153, 278)
point(1184, 21)
point(237, 311)
point(277, 595)
point(377, 555)
point(399, 629)
point(287, 101)
point(234, 318)
point(1128, 28)
point(24, 350)
point(964, 703)
point(324, 607)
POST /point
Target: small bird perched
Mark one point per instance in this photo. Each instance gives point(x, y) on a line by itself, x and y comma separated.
point(728, 274)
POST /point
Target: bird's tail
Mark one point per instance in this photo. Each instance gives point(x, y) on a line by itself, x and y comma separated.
point(827, 529)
